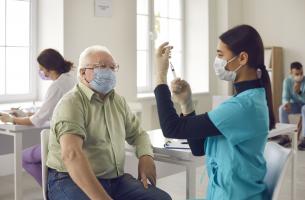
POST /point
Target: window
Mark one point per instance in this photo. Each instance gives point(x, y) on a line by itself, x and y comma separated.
point(158, 21)
point(16, 50)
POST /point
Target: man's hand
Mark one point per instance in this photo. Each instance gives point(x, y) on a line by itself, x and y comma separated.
point(297, 87)
point(147, 170)
point(287, 107)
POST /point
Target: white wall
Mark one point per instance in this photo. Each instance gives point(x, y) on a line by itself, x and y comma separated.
point(50, 31)
point(118, 33)
point(280, 23)
point(197, 44)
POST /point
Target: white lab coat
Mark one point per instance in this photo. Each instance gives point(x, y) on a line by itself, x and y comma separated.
point(57, 89)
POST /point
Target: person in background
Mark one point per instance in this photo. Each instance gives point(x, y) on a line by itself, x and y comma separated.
point(87, 139)
point(52, 66)
point(293, 100)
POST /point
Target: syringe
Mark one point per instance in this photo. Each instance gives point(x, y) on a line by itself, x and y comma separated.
point(173, 70)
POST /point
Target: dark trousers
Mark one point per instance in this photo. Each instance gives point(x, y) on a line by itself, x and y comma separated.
point(61, 186)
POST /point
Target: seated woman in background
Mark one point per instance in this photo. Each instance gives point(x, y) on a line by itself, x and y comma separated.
point(52, 66)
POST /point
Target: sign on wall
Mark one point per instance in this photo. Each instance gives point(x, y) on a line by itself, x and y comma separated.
point(103, 8)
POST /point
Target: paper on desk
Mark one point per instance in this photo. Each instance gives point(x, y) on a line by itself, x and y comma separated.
point(176, 144)
point(18, 113)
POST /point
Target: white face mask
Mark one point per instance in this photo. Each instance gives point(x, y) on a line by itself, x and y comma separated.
point(298, 78)
point(221, 72)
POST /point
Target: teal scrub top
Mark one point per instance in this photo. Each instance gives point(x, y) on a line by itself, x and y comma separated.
point(235, 161)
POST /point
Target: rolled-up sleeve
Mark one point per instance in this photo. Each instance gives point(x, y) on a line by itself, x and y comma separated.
point(135, 135)
point(68, 118)
point(64, 127)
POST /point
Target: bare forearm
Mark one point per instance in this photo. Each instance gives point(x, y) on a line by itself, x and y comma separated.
point(22, 121)
point(82, 174)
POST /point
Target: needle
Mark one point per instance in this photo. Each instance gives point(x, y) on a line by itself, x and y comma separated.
point(173, 70)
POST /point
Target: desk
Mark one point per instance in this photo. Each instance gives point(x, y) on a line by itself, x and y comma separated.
point(190, 162)
point(17, 131)
point(289, 129)
point(181, 157)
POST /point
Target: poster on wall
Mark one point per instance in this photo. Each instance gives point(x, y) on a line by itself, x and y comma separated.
point(103, 8)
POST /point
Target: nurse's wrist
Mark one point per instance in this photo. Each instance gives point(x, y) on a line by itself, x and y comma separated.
point(187, 108)
point(161, 79)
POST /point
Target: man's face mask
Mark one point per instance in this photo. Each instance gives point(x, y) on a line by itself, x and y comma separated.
point(298, 78)
point(104, 80)
point(220, 70)
point(297, 75)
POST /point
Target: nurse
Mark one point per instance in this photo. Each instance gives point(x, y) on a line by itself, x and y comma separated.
point(233, 135)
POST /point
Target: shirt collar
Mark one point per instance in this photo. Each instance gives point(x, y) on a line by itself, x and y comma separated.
point(89, 93)
point(247, 85)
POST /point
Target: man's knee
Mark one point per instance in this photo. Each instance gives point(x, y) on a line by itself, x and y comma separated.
point(158, 194)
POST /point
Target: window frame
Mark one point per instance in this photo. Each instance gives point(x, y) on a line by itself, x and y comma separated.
point(151, 47)
point(32, 94)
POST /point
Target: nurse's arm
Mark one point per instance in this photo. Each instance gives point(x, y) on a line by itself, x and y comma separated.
point(173, 126)
point(22, 121)
point(79, 168)
point(196, 145)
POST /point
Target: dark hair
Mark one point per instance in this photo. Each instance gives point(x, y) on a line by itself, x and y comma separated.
point(296, 65)
point(53, 60)
point(244, 38)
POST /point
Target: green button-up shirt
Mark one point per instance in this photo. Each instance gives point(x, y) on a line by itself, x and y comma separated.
point(104, 125)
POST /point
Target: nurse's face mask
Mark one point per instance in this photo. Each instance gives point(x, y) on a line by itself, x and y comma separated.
point(221, 71)
point(42, 75)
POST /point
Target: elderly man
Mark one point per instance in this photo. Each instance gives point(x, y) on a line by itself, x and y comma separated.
point(88, 132)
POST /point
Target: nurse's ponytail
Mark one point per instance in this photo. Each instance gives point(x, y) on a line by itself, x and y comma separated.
point(265, 80)
point(245, 38)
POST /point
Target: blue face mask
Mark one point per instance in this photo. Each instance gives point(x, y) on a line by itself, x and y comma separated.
point(104, 80)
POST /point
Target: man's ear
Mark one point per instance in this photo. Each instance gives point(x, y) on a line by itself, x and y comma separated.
point(82, 72)
point(243, 58)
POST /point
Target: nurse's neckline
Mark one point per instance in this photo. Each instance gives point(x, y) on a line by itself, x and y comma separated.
point(247, 85)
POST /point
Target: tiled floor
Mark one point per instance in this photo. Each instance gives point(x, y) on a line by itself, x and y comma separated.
point(174, 184)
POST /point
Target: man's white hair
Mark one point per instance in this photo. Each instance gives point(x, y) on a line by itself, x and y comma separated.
point(83, 58)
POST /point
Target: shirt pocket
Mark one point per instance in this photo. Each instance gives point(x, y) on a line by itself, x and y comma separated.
point(219, 176)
